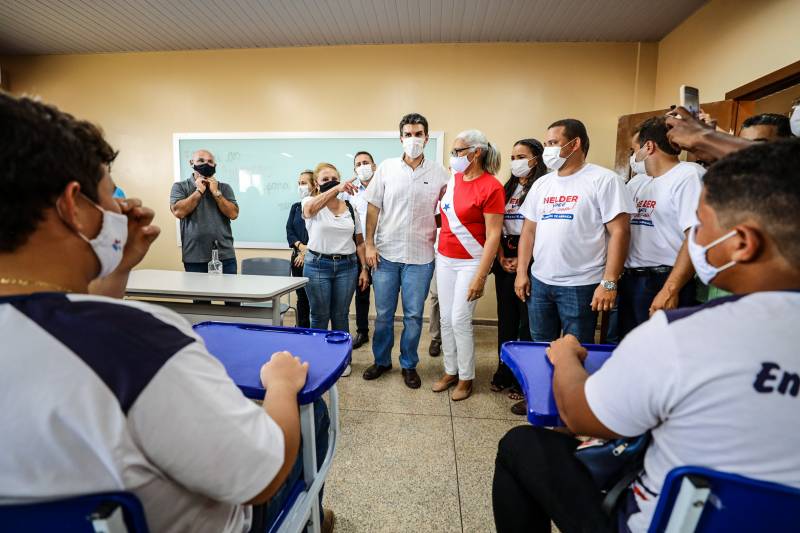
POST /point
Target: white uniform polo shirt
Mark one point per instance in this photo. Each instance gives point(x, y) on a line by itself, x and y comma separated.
point(110, 395)
point(718, 385)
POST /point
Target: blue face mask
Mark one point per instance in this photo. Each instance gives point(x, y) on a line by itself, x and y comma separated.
point(698, 254)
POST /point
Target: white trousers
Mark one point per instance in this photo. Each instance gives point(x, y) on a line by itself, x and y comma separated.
point(453, 277)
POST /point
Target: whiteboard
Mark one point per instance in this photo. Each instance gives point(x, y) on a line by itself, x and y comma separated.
point(262, 168)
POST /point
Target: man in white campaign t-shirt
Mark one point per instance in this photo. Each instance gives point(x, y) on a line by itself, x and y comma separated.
point(577, 228)
point(716, 386)
point(658, 275)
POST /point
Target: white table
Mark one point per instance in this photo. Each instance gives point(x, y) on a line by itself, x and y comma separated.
point(240, 288)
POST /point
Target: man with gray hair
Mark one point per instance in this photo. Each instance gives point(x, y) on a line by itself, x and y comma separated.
point(205, 208)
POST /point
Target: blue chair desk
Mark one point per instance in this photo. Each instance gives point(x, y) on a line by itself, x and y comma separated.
point(115, 512)
point(530, 365)
point(244, 348)
point(698, 499)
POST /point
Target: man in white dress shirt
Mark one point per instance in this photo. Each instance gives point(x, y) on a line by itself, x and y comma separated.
point(401, 230)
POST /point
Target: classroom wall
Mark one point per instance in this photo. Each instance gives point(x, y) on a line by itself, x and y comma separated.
point(726, 44)
point(510, 91)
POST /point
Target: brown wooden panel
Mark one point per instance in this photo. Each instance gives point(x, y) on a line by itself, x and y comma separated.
point(766, 85)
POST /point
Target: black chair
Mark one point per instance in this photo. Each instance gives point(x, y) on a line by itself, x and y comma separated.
point(269, 266)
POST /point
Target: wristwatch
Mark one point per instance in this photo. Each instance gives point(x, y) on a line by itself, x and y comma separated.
point(608, 284)
point(217, 194)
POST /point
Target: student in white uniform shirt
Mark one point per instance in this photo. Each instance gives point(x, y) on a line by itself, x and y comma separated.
point(334, 261)
point(401, 230)
point(104, 394)
point(577, 229)
point(472, 221)
point(716, 385)
point(666, 192)
point(364, 167)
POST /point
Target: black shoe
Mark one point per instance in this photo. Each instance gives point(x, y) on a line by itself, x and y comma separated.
point(411, 378)
point(375, 371)
point(360, 340)
point(435, 349)
point(520, 408)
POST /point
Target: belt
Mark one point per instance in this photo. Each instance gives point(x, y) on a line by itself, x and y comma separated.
point(648, 271)
point(332, 257)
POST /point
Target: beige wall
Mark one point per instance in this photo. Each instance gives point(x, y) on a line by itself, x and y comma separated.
point(725, 45)
point(141, 99)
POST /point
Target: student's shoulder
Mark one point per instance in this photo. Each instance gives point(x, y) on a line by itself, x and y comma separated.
point(151, 324)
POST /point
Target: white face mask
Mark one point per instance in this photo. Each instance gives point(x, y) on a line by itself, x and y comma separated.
point(364, 172)
point(413, 146)
point(637, 166)
point(794, 121)
point(303, 190)
point(459, 164)
point(698, 254)
point(520, 168)
point(109, 244)
point(552, 156)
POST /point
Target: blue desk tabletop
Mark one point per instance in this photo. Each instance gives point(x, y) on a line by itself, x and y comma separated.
point(530, 365)
point(244, 348)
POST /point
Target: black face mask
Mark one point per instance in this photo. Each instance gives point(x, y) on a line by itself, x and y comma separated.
point(328, 185)
point(205, 170)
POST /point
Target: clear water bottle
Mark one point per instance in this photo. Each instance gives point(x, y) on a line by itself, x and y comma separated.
point(215, 265)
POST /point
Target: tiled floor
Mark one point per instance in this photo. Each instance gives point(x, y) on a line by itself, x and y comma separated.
point(413, 460)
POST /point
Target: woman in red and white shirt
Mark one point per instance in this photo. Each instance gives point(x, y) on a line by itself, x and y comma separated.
point(472, 219)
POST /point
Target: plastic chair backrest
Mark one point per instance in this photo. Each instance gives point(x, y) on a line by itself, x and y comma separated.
point(700, 499)
point(267, 266)
point(110, 512)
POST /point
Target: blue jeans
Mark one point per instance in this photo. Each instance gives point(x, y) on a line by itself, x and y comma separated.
point(331, 284)
point(636, 294)
point(265, 515)
point(552, 308)
point(228, 267)
point(387, 282)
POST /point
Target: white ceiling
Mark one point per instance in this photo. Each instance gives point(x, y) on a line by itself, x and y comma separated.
point(87, 26)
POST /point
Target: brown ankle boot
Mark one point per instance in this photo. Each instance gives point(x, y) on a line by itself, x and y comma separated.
point(462, 391)
point(444, 383)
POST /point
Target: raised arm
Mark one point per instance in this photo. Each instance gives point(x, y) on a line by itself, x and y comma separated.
point(226, 207)
point(184, 207)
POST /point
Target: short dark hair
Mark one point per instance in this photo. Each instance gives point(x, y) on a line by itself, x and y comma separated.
point(761, 181)
point(414, 118)
point(42, 150)
point(780, 122)
point(363, 152)
point(573, 128)
point(655, 129)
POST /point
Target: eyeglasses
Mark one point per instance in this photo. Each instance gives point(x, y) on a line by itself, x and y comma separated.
point(456, 152)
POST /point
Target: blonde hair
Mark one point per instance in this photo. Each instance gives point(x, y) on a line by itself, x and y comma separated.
point(322, 166)
point(313, 186)
point(490, 156)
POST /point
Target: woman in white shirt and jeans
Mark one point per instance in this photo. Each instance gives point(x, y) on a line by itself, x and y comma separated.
point(335, 249)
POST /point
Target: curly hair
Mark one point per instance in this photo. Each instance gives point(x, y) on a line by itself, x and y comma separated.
point(42, 150)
